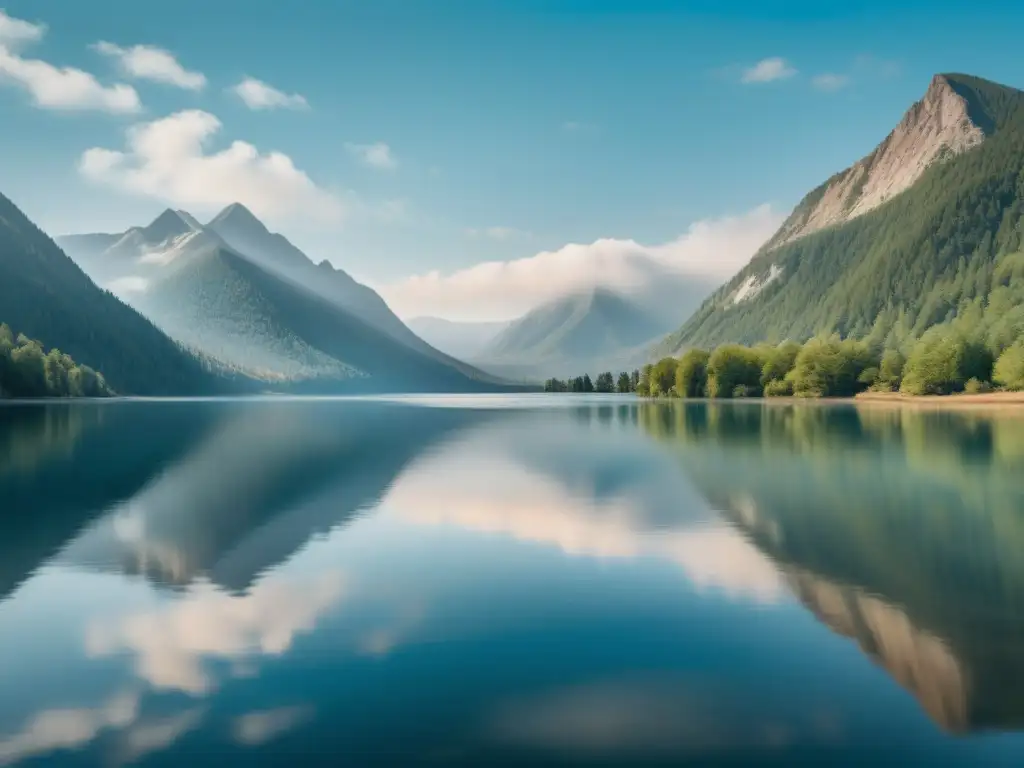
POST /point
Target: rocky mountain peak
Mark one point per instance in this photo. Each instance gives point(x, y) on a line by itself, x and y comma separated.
point(943, 124)
point(238, 218)
point(167, 225)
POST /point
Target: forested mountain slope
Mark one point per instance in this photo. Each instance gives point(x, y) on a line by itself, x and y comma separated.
point(217, 301)
point(44, 295)
point(247, 235)
point(942, 249)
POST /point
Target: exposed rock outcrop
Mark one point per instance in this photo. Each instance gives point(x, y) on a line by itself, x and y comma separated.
point(939, 126)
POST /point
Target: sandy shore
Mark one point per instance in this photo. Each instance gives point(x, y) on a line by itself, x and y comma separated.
point(987, 400)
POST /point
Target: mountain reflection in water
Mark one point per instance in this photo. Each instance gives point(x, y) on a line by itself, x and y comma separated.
point(594, 580)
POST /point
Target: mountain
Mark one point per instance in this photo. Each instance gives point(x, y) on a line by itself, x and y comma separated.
point(239, 295)
point(45, 295)
point(246, 234)
point(575, 333)
point(124, 262)
point(921, 231)
point(464, 340)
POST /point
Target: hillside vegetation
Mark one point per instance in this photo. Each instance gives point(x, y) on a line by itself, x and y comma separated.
point(944, 252)
point(28, 370)
point(946, 360)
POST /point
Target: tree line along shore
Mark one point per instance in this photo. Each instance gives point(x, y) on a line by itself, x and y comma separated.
point(942, 362)
point(29, 370)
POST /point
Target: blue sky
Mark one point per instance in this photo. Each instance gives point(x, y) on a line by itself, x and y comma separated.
point(512, 127)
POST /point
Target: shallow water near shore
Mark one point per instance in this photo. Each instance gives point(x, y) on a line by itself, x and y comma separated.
point(523, 580)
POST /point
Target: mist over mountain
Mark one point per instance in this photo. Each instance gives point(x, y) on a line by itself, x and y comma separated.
point(463, 340)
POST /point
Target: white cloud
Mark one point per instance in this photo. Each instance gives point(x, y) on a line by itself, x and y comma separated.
point(710, 251)
point(767, 70)
point(167, 159)
point(376, 155)
point(146, 62)
point(52, 87)
point(259, 95)
point(828, 81)
point(14, 32)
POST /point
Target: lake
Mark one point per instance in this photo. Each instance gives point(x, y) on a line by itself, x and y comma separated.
point(534, 580)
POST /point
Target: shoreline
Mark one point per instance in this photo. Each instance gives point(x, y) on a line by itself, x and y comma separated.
point(957, 401)
point(954, 401)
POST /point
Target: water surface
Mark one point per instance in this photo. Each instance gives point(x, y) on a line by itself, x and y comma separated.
point(531, 580)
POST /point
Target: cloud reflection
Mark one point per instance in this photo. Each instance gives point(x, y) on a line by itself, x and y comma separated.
point(159, 733)
point(171, 643)
point(642, 717)
point(256, 728)
point(69, 728)
point(492, 492)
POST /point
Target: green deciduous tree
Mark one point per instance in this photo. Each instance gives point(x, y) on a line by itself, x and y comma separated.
point(779, 361)
point(27, 370)
point(663, 377)
point(942, 362)
point(890, 370)
point(831, 368)
point(692, 374)
point(643, 383)
point(732, 366)
point(1009, 368)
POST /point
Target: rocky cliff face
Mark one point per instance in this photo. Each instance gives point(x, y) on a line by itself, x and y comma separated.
point(939, 126)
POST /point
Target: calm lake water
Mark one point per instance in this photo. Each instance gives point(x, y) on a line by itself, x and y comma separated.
point(532, 580)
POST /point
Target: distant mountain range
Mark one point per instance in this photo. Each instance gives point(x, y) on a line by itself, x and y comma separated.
point(250, 300)
point(583, 332)
point(925, 229)
point(464, 340)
